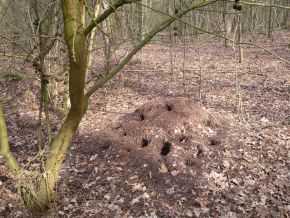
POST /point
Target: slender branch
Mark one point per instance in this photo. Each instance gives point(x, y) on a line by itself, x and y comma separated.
point(265, 5)
point(16, 43)
point(93, 16)
point(106, 14)
point(147, 38)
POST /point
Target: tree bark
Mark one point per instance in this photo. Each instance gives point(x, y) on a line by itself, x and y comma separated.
point(4, 145)
point(270, 22)
point(76, 43)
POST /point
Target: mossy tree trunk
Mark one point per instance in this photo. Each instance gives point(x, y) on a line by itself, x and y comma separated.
point(4, 145)
point(76, 43)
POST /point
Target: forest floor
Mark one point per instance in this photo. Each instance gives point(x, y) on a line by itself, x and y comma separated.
point(228, 157)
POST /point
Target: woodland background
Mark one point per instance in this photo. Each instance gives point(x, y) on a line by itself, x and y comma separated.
point(234, 63)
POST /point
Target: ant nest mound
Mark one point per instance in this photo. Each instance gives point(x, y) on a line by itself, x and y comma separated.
point(167, 135)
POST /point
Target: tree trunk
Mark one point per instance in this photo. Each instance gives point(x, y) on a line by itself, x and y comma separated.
point(225, 25)
point(270, 22)
point(91, 40)
point(4, 145)
point(76, 42)
point(240, 26)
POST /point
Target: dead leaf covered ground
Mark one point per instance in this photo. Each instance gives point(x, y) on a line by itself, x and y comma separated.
point(237, 168)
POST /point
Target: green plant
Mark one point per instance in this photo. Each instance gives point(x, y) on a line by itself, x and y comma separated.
point(13, 76)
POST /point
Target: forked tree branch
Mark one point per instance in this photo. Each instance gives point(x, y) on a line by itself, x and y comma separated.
point(107, 13)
